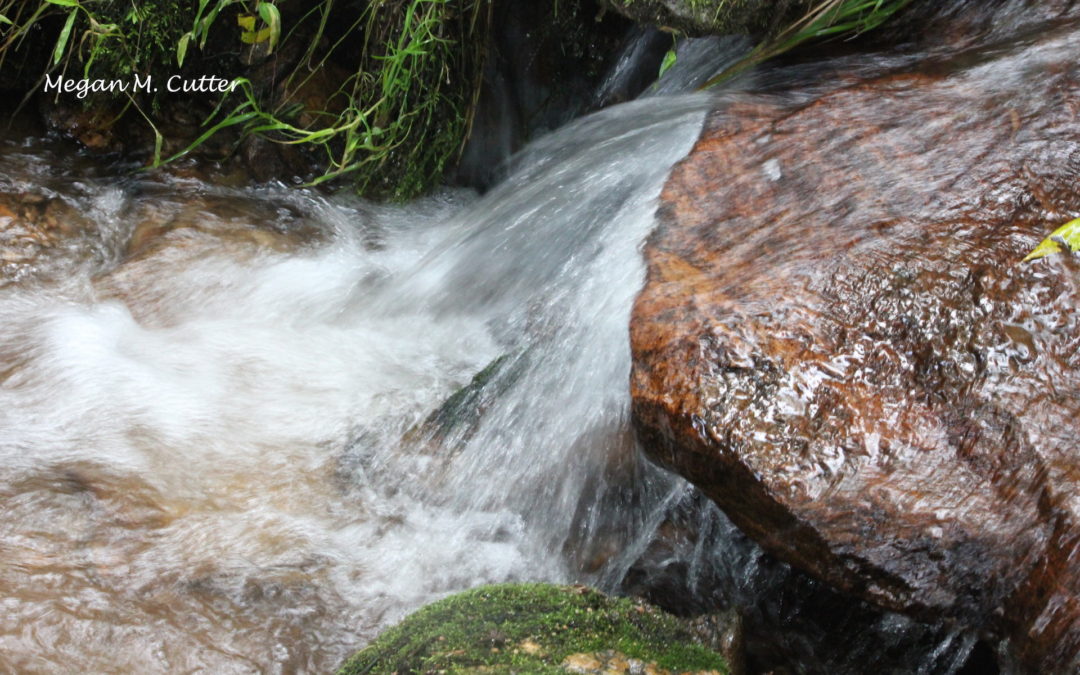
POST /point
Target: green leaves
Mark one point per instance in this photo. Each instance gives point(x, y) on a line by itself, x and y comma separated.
point(1066, 237)
point(270, 16)
point(668, 62)
point(65, 33)
point(268, 12)
point(181, 47)
point(393, 124)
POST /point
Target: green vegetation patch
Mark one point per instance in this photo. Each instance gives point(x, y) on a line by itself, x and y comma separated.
point(782, 25)
point(717, 17)
point(824, 19)
point(532, 628)
point(380, 93)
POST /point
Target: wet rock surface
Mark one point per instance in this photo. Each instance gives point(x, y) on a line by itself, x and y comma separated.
point(32, 227)
point(716, 17)
point(838, 343)
point(702, 565)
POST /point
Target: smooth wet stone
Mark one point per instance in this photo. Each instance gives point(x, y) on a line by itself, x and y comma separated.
point(838, 343)
point(227, 223)
point(33, 228)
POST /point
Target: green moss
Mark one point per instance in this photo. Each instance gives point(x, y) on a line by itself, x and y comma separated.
point(530, 628)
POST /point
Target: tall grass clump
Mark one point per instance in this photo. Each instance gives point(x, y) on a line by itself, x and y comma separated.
point(403, 111)
point(395, 81)
point(829, 18)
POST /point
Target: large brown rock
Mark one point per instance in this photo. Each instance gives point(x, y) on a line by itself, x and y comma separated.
point(837, 340)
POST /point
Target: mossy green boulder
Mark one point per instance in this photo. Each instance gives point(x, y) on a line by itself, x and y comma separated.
point(536, 628)
point(716, 17)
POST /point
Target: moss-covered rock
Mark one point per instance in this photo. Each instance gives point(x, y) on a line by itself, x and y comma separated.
point(717, 17)
point(536, 628)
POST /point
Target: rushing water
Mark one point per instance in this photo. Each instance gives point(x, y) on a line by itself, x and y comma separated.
point(244, 429)
point(212, 400)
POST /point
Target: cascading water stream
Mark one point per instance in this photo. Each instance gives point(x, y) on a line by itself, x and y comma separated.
point(245, 429)
point(202, 420)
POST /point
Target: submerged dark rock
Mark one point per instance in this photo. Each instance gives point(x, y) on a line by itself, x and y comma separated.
point(699, 563)
point(838, 343)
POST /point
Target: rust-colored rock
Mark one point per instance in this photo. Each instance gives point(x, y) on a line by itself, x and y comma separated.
point(838, 343)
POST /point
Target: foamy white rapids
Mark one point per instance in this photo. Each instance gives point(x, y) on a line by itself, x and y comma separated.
point(213, 448)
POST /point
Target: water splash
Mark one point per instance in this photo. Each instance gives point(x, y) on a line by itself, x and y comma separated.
point(211, 427)
point(243, 430)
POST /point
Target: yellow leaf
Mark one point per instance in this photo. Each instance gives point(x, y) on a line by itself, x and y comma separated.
point(251, 37)
point(1067, 235)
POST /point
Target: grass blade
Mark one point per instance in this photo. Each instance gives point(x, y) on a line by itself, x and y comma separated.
point(829, 17)
point(65, 34)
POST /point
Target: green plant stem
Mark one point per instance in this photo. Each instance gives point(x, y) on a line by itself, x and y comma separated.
point(826, 19)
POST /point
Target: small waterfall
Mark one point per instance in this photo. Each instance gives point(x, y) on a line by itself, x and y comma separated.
point(246, 429)
point(212, 400)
